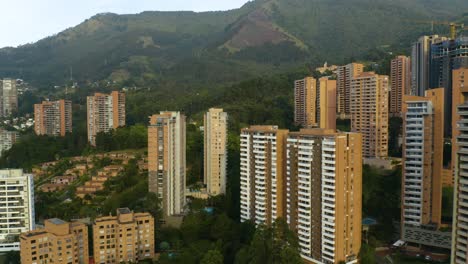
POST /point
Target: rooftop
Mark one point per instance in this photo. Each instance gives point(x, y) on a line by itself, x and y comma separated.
point(57, 221)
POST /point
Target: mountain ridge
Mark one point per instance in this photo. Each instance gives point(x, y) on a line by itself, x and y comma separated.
point(261, 35)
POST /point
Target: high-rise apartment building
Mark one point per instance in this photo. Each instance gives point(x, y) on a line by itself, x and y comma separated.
point(369, 112)
point(16, 207)
point(7, 139)
point(215, 151)
point(57, 242)
point(305, 98)
point(323, 188)
point(105, 112)
point(166, 160)
point(421, 192)
point(447, 55)
point(53, 118)
point(326, 103)
point(126, 237)
point(262, 173)
point(400, 78)
point(344, 75)
point(420, 64)
point(460, 162)
point(8, 97)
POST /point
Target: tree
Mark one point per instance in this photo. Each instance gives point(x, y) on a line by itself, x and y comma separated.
point(212, 257)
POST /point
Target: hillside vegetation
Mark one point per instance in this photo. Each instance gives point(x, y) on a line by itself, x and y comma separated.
point(196, 49)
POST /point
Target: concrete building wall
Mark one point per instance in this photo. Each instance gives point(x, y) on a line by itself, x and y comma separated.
point(422, 162)
point(400, 78)
point(126, 237)
point(167, 161)
point(105, 112)
point(58, 242)
point(53, 118)
point(369, 112)
point(215, 151)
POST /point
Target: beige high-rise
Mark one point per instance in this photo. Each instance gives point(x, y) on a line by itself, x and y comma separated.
point(262, 173)
point(8, 97)
point(460, 166)
point(326, 103)
point(166, 160)
point(126, 237)
point(58, 242)
point(323, 192)
point(344, 75)
point(400, 78)
point(423, 142)
point(53, 118)
point(7, 140)
point(305, 102)
point(105, 112)
point(369, 112)
point(215, 151)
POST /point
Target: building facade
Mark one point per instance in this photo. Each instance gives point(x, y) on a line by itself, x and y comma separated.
point(400, 78)
point(7, 140)
point(460, 161)
point(57, 242)
point(53, 118)
point(420, 64)
point(447, 55)
point(16, 207)
point(8, 97)
point(326, 103)
point(323, 188)
point(215, 151)
point(262, 173)
point(167, 160)
point(126, 237)
point(344, 76)
point(105, 112)
point(305, 98)
point(421, 195)
point(369, 112)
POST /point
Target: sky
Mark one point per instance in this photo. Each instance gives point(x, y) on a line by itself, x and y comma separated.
point(27, 21)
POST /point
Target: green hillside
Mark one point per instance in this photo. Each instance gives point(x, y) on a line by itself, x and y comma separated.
point(263, 36)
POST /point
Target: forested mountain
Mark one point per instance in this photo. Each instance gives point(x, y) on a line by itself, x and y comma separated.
point(263, 36)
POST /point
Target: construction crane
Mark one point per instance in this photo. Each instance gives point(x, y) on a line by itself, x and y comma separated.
point(453, 26)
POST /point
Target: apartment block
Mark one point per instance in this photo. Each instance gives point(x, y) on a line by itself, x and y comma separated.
point(7, 140)
point(262, 173)
point(215, 151)
point(422, 179)
point(53, 118)
point(460, 162)
point(369, 112)
point(345, 75)
point(326, 103)
point(167, 161)
point(126, 237)
point(16, 207)
point(400, 78)
point(420, 64)
point(8, 97)
point(323, 188)
point(305, 98)
point(446, 56)
point(105, 112)
point(57, 242)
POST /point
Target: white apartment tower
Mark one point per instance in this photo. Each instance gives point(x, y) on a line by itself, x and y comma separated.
point(262, 173)
point(16, 207)
point(215, 152)
point(8, 97)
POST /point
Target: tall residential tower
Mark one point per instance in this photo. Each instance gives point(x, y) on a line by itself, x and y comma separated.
point(166, 160)
point(215, 150)
point(400, 78)
point(369, 112)
point(53, 118)
point(105, 112)
point(345, 75)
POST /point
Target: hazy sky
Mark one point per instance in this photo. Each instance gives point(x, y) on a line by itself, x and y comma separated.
point(25, 21)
